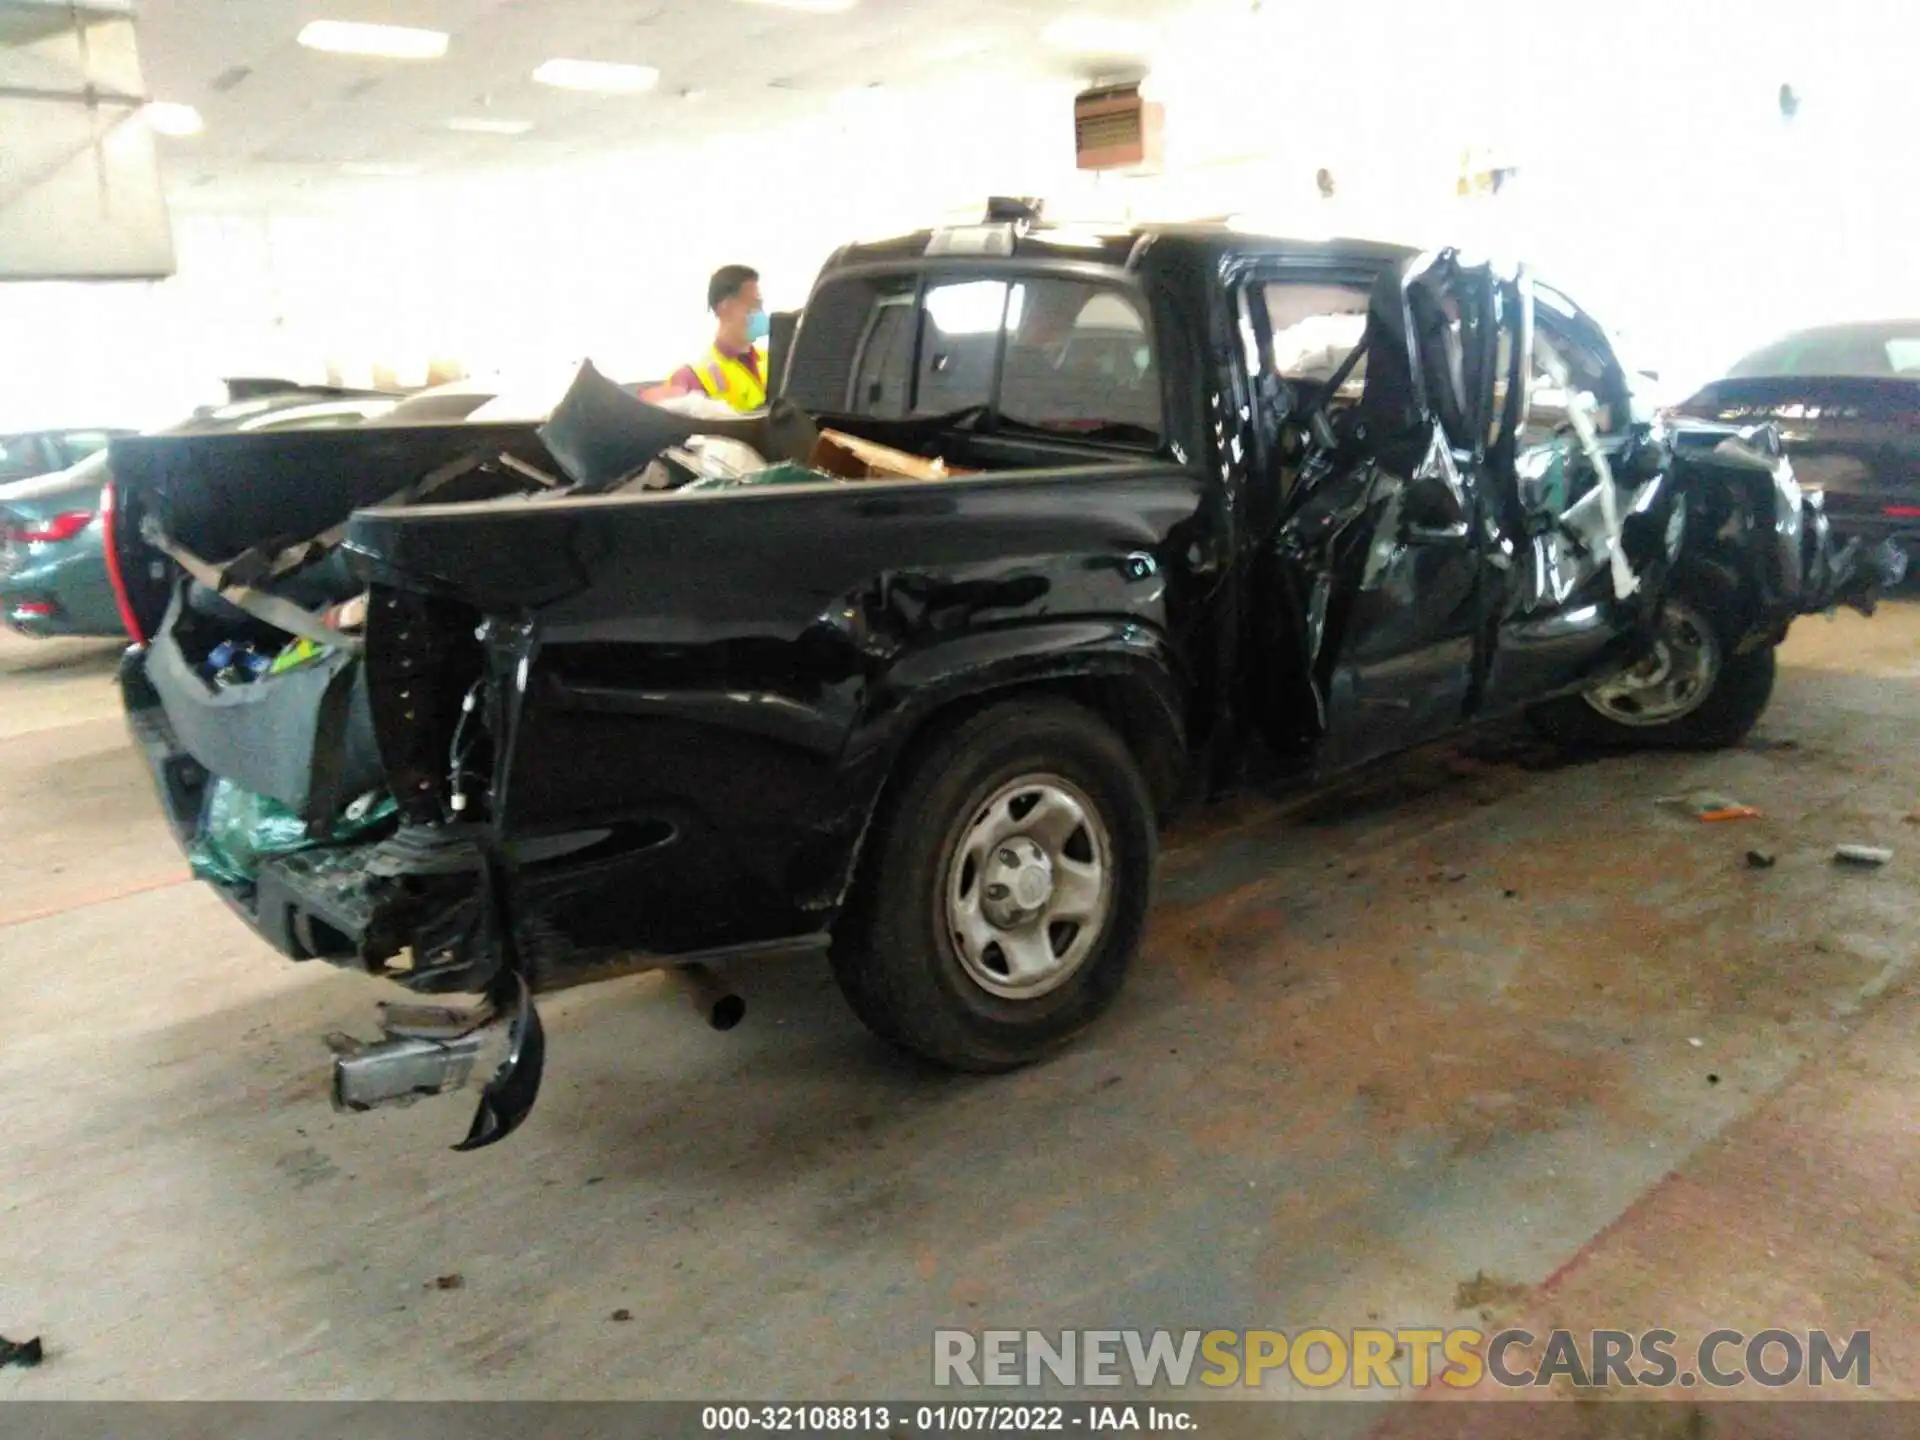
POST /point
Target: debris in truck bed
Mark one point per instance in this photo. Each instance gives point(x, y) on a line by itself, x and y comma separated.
point(782, 474)
point(27, 1353)
point(230, 664)
point(348, 615)
point(301, 651)
point(239, 829)
point(852, 458)
point(1865, 855)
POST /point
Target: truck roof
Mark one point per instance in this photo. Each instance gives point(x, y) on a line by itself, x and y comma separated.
point(1116, 246)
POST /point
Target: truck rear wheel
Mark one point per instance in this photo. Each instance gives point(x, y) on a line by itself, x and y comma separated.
point(1690, 693)
point(1005, 890)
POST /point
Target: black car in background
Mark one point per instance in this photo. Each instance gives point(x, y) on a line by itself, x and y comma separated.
point(1846, 399)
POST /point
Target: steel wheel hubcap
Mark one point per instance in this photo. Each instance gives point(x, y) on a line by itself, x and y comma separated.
point(1029, 887)
point(1673, 681)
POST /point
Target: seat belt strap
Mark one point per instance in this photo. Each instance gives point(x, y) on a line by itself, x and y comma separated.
point(269, 609)
point(255, 566)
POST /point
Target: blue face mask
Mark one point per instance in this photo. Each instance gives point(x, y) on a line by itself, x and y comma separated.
point(758, 327)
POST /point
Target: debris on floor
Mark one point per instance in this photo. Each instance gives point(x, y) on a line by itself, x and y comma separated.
point(449, 1282)
point(1707, 805)
point(1696, 1042)
point(622, 1316)
point(1487, 1290)
point(1868, 855)
point(27, 1353)
point(1759, 860)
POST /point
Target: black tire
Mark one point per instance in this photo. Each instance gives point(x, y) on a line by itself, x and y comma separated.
point(894, 955)
point(1738, 694)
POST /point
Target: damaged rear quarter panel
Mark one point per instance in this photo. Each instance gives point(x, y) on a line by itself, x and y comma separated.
point(747, 668)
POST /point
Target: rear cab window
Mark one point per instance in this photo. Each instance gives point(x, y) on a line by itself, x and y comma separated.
point(1031, 353)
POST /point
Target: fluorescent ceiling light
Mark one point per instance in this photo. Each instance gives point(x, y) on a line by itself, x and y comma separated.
point(390, 42)
point(602, 76)
point(481, 125)
point(811, 7)
point(164, 118)
point(1092, 35)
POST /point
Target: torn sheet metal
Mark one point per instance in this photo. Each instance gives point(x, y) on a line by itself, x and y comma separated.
point(1580, 406)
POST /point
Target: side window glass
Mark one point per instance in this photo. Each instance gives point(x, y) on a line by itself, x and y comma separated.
point(1079, 360)
point(1315, 327)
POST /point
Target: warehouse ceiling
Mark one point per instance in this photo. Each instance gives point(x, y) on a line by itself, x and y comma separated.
point(277, 118)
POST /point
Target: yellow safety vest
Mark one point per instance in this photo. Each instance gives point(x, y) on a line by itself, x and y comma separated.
point(725, 378)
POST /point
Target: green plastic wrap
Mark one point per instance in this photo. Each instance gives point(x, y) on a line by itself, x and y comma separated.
point(239, 830)
point(785, 473)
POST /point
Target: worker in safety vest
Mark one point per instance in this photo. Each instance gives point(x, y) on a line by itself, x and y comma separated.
point(733, 371)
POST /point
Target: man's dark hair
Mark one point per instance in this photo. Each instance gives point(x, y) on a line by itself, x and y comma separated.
point(728, 281)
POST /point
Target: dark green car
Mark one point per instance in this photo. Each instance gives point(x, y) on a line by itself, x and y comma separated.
point(53, 567)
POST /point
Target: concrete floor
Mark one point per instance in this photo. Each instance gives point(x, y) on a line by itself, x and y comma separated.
point(1442, 1025)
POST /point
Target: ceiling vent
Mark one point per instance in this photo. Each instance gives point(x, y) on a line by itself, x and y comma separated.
point(1115, 129)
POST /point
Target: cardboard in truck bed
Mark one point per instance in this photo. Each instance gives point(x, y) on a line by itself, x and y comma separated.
point(851, 458)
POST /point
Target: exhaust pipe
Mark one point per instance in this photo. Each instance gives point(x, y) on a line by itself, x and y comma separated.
point(710, 995)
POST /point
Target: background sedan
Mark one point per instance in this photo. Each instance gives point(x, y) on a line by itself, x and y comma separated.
point(53, 569)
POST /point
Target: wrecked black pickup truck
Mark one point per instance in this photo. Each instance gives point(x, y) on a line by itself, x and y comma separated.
point(484, 710)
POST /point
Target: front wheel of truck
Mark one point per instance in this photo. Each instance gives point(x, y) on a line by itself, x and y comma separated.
point(1690, 692)
point(1005, 890)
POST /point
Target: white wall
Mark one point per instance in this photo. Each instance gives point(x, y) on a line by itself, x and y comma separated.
point(1658, 185)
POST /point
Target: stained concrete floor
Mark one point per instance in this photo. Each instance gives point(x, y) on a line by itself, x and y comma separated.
point(1482, 1015)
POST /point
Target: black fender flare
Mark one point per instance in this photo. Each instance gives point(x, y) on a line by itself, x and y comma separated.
point(1126, 671)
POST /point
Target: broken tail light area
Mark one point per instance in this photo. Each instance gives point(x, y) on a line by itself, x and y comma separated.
point(49, 531)
point(1903, 512)
point(23, 612)
point(128, 620)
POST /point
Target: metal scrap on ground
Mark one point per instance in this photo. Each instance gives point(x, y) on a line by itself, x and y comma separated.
point(1868, 855)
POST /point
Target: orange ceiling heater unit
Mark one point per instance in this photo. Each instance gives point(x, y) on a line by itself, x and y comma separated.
point(1115, 128)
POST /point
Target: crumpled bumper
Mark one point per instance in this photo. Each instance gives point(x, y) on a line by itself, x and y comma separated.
point(1853, 574)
